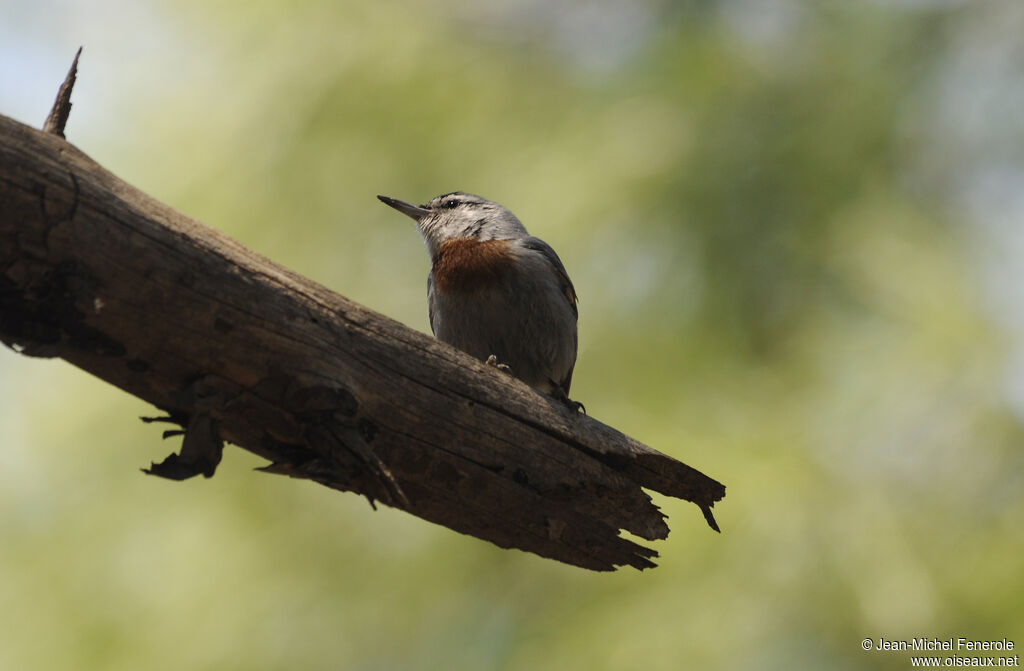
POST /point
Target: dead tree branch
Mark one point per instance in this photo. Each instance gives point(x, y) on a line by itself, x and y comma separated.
point(234, 348)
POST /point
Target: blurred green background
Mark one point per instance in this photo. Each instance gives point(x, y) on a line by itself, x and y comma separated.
point(797, 233)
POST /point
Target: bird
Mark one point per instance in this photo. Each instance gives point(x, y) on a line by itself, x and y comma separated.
point(496, 292)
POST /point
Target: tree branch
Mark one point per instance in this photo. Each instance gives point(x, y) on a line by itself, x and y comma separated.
point(235, 348)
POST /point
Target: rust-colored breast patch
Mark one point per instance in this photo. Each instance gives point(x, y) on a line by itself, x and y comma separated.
point(467, 264)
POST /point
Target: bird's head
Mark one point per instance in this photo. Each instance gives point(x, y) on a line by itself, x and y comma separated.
point(459, 215)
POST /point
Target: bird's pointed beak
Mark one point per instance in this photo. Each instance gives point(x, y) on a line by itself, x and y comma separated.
point(408, 209)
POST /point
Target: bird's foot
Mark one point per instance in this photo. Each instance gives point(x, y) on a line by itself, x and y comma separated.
point(574, 406)
point(493, 361)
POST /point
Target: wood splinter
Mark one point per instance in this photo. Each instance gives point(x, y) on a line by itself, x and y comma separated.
point(58, 116)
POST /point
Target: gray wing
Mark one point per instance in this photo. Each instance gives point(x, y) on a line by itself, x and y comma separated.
point(431, 299)
point(568, 290)
point(538, 245)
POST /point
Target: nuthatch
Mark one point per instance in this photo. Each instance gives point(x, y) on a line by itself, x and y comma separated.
point(496, 292)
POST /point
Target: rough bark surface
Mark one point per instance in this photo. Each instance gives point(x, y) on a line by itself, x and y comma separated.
point(234, 348)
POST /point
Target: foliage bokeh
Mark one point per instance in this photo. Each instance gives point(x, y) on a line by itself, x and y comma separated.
point(787, 279)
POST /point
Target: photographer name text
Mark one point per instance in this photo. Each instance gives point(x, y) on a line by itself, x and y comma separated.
point(923, 643)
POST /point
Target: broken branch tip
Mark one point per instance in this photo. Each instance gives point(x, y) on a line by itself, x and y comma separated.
point(58, 116)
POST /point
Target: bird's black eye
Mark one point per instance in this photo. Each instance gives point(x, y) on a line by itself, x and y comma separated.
point(451, 204)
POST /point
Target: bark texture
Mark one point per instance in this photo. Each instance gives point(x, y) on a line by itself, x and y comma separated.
point(234, 348)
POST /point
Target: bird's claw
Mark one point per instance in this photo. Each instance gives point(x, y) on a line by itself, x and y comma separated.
point(493, 361)
point(574, 406)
